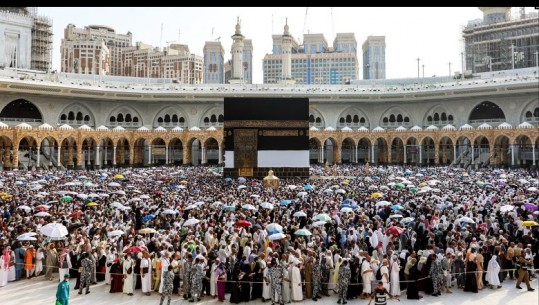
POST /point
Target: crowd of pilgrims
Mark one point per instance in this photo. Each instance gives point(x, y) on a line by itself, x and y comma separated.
point(448, 231)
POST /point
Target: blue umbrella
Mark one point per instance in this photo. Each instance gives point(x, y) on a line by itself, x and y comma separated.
point(346, 206)
point(285, 202)
point(274, 232)
point(375, 178)
point(347, 201)
point(308, 187)
point(396, 207)
point(407, 172)
point(148, 217)
point(228, 179)
point(241, 180)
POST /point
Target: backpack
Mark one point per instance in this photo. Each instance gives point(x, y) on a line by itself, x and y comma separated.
point(379, 274)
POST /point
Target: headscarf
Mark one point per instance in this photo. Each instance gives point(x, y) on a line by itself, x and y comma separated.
point(65, 251)
point(6, 258)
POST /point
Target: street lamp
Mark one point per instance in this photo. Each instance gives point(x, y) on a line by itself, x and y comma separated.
point(418, 59)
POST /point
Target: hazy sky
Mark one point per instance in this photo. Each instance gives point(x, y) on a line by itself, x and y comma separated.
point(432, 34)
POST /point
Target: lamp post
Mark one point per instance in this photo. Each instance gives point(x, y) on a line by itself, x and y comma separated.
point(423, 70)
point(512, 56)
point(449, 69)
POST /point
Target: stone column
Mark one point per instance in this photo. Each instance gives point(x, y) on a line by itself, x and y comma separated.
point(121, 155)
point(97, 157)
point(404, 154)
point(436, 154)
point(166, 154)
point(187, 154)
point(421, 154)
point(322, 154)
point(372, 154)
point(150, 154)
point(131, 154)
point(80, 159)
point(60, 157)
point(533, 154)
point(15, 156)
point(454, 152)
point(512, 154)
point(220, 154)
point(337, 154)
point(473, 154)
point(114, 156)
point(38, 153)
point(355, 154)
point(203, 157)
point(7, 156)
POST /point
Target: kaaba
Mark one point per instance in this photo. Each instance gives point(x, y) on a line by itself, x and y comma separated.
point(263, 134)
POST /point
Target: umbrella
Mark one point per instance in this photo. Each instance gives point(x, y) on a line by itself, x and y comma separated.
point(266, 205)
point(228, 179)
point(66, 198)
point(299, 214)
point(340, 191)
point(119, 176)
point(507, 208)
point(319, 223)
point(169, 212)
point(346, 210)
point(147, 230)
point(249, 207)
point(285, 202)
point(467, 219)
point(25, 208)
point(393, 230)
point(190, 222)
point(414, 189)
point(308, 187)
point(92, 204)
point(241, 180)
point(274, 227)
point(530, 206)
point(115, 233)
point(82, 196)
point(114, 184)
point(291, 187)
point(192, 206)
point(42, 214)
point(396, 207)
point(303, 232)
point(54, 230)
point(148, 217)
point(324, 217)
point(217, 204)
point(241, 187)
point(376, 195)
point(530, 223)
point(277, 236)
point(42, 207)
point(243, 223)
point(134, 249)
point(407, 220)
point(396, 216)
point(116, 204)
point(382, 204)
point(229, 208)
point(400, 185)
point(26, 237)
point(301, 194)
point(532, 189)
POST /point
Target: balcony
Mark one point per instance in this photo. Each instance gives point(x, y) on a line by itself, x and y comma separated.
point(75, 122)
point(352, 125)
point(124, 124)
point(215, 124)
point(26, 120)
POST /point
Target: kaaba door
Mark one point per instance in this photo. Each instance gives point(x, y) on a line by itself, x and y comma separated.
point(245, 148)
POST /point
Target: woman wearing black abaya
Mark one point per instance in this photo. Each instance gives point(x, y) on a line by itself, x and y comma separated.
point(77, 266)
point(136, 271)
point(429, 288)
point(353, 288)
point(116, 277)
point(412, 293)
point(470, 283)
point(245, 280)
point(235, 291)
point(101, 267)
point(258, 278)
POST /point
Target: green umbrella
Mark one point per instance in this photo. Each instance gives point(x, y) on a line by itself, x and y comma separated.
point(480, 183)
point(66, 198)
point(414, 190)
point(400, 185)
point(303, 232)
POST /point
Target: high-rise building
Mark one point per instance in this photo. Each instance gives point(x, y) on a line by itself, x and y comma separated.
point(214, 61)
point(500, 41)
point(248, 61)
point(80, 49)
point(374, 57)
point(314, 61)
point(25, 39)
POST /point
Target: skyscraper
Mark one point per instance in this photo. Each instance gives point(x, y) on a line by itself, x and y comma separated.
point(374, 57)
point(214, 61)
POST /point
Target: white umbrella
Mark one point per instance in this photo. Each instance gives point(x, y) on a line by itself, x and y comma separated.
point(299, 214)
point(274, 227)
point(117, 205)
point(216, 204)
point(54, 230)
point(396, 216)
point(382, 204)
point(120, 192)
point(467, 219)
point(319, 223)
point(42, 214)
point(301, 194)
point(135, 199)
point(25, 237)
point(532, 189)
point(241, 187)
point(340, 191)
point(346, 210)
point(82, 196)
point(255, 196)
point(190, 222)
point(169, 211)
point(324, 217)
point(266, 205)
point(291, 187)
point(114, 184)
point(277, 236)
point(507, 208)
point(25, 207)
point(249, 207)
point(144, 196)
point(115, 233)
point(192, 206)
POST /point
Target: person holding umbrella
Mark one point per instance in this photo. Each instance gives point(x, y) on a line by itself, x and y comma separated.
point(62, 292)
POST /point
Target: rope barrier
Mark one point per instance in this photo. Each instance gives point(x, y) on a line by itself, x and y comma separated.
point(302, 282)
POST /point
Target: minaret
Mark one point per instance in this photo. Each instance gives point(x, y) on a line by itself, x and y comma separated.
point(287, 56)
point(237, 55)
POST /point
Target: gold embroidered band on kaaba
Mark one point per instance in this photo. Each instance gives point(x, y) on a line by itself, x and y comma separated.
point(267, 123)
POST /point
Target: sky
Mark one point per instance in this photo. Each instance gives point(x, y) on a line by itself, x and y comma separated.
point(432, 34)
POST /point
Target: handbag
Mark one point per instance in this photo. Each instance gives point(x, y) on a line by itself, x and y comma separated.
point(129, 270)
point(58, 303)
point(145, 270)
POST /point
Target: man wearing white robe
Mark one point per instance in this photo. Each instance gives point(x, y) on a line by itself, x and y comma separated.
point(367, 277)
point(295, 279)
point(146, 277)
point(110, 260)
point(213, 277)
point(493, 270)
point(128, 278)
